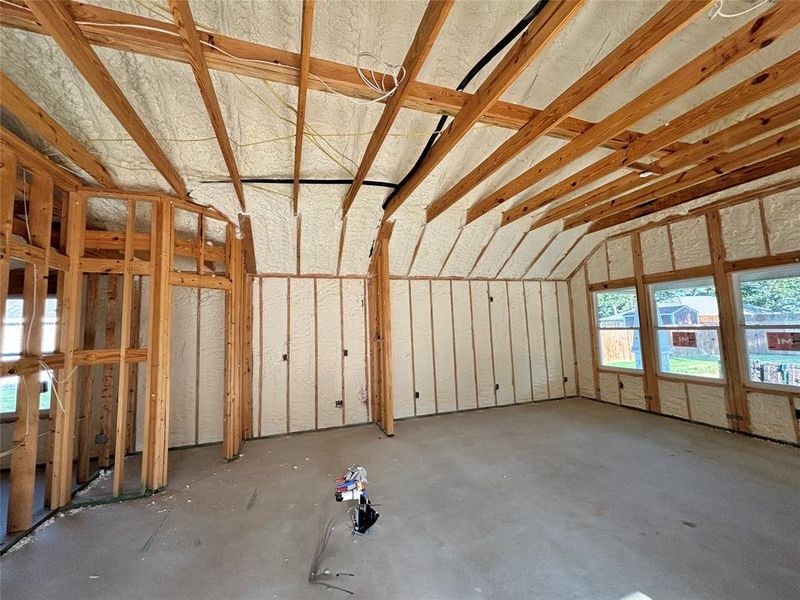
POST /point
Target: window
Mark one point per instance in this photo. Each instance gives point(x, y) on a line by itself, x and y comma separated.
point(769, 321)
point(12, 349)
point(617, 319)
point(686, 318)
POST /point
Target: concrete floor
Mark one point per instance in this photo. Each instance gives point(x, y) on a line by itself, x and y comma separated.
point(567, 499)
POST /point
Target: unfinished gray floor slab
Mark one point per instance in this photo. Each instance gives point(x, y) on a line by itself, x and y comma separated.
point(566, 499)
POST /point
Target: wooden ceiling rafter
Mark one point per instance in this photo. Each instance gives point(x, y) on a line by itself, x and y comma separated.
point(777, 116)
point(34, 116)
point(755, 152)
point(669, 20)
point(302, 94)
point(184, 22)
point(427, 32)
point(539, 33)
point(159, 39)
point(765, 168)
point(751, 37)
point(56, 19)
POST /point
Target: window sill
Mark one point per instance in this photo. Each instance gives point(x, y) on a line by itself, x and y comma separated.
point(679, 377)
point(621, 370)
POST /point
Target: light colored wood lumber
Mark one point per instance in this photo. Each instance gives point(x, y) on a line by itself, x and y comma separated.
point(544, 27)
point(159, 39)
point(647, 332)
point(184, 22)
point(25, 440)
point(34, 116)
point(764, 148)
point(302, 93)
point(63, 422)
point(56, 19)
point(121, 424)
point(730, 342)
point(764, 168)
point(774, 117)
point(8, 178)
point(761, 31)
point(86, 377)
point(29, 157)
point(669, 20)
point(427, 31)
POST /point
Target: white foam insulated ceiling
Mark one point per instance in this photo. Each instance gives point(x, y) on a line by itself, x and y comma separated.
point(260, 119)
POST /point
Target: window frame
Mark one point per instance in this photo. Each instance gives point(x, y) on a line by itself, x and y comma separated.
point(598, 328)
point(742, 328)
point(657, 327)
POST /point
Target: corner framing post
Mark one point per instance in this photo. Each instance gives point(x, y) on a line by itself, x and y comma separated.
point(646, 329)
point(63, 424)
point(232, 410)
point(156, 414)
point(381, 332)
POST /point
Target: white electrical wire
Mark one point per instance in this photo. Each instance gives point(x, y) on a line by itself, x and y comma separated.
point(721, 4)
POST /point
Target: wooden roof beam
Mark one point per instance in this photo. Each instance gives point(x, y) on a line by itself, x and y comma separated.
point(184, 22)
point(305, 60)
point(34, 116)
point(427, 31)
point(159, 39)
point(755, 35)
point(57, 21)
point(545, 26)
point(31, 158)
point(764, 168)
point(772, 118)
point(752, 153)
point(668, 21)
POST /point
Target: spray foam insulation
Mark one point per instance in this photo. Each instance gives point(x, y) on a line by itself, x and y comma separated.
point(354, 341)
point(581, 334)
point(421, 329)
point(519, 341)
point(690, 242)
point(274, 329)
point(597, 265)
point(302, 356)
point(260, 118)
point(464, 345)
point(609, 387)
point(741, 231)
point(536, 340)
point(783, 222)
point(620, 257)
point(552, 334)
point(656, 254)
point(402, 366)
point(632, 391)
point(183, 352)
point(500, 248)
point(438, 238)
point(554, 253)
point(565, 338)
point(772, 416)
point(672, 395)
point(501, 342)
point(483, 343)
point(444, 346)
point(329, 353)
point(707, 404)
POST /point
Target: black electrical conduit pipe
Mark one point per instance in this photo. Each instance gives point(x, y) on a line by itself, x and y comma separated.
point(494, 51)
point(507, 39)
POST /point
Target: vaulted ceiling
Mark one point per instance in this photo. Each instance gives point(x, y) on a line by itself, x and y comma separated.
point(258, 101)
